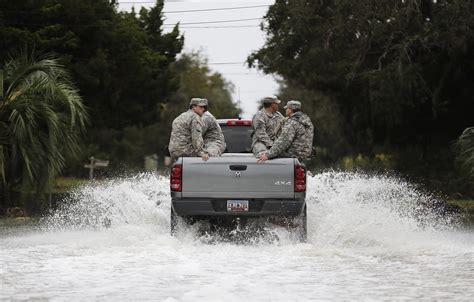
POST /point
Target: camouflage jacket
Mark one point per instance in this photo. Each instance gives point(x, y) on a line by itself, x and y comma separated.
point(295, 139)
point(186, 135)
point(213, 137)
point(266, 126)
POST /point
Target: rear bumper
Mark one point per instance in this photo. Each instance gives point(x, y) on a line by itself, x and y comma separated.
point(218, 207)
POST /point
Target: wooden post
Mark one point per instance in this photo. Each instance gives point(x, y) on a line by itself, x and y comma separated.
point(94, 164)
point(91, 169)
point(1, 84)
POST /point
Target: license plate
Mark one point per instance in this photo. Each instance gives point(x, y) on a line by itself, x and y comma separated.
point(237, 205)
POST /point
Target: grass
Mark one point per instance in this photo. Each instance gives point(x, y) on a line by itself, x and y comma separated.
point(17, 221)
point(465, 204)
point(467, 208)
point(67, 184)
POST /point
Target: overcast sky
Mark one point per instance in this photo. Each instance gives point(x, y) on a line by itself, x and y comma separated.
point(225, 45)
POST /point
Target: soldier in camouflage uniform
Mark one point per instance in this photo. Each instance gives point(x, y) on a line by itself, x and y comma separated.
point(266, 124)
point(296, 137)
point(214, 141)
point(186, 133)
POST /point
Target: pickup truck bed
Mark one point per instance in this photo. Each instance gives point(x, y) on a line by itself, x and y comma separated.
point(207, 186)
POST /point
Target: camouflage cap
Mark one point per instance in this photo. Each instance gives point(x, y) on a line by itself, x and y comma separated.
point(295, 105)
point(198, 101)
point(271, 99)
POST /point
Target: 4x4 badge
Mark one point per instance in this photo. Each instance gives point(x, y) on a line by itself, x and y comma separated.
point(283, 183)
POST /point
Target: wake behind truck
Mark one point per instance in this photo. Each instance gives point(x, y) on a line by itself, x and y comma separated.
point(234, 187)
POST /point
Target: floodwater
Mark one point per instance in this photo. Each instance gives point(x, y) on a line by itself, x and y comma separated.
point(370, 238)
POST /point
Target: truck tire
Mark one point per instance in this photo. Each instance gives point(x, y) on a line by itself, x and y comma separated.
point(178, 223)
point(173, 223)
point(301, 226)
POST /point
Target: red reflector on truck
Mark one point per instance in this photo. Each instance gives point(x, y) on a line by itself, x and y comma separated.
point(176, 183)
point(239, 123)
point(300, 178)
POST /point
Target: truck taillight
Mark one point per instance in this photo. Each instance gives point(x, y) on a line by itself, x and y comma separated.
point(176, 181)
point(239, 123)
point(300, 179)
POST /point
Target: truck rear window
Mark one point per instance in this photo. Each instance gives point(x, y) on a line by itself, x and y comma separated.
point(238, 138)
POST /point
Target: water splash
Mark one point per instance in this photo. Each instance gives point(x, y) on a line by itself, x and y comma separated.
point(371, 237)
point(343, 209)
point(142, 199)
point(356, 209)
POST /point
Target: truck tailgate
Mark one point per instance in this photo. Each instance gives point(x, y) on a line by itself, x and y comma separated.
point(235, 175)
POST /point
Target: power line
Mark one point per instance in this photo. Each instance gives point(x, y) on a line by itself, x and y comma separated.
point(218, 27)
point(240, 73)
point(142, 2)
point(213, 9)
point(164, 12)
point(225, 63)
point(252, 91)
point(164, 25)
point(192, 10)
point(220, 21)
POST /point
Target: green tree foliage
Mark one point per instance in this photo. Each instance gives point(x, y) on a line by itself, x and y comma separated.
point(41, 120)
point(125, 67)
point(120, 61)
point(465, 146)
point(400, 72)
point(397, 74)
point(197, 80)
point(129, 146)
point(325, 114)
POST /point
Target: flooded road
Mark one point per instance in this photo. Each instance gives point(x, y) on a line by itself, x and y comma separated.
point(370, 238)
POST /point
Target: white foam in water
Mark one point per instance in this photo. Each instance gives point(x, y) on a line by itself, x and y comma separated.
point(371, 237)
point(373, 210)
point(138, 200)
point(344, 210)
point(339, 204)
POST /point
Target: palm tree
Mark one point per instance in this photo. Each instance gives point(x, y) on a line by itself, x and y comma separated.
point(465, 146)
point(42, 118)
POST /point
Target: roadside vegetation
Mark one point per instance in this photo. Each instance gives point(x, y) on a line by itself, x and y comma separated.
point(467, 204)
point(466, 207)
point(42, 118)
point(388, 85)
point(131, 77)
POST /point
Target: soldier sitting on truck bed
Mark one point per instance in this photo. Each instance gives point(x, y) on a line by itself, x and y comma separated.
point(186, 132)
point(214, 142)
point(266, 124)
point(296, 137)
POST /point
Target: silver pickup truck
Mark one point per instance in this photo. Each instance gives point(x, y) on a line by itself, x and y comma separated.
point(234, 187)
